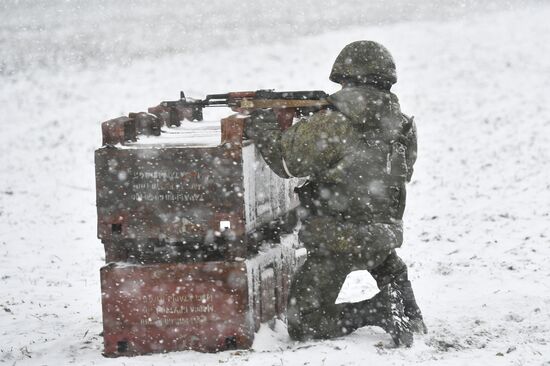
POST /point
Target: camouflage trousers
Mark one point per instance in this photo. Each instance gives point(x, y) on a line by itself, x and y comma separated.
point(312, 313)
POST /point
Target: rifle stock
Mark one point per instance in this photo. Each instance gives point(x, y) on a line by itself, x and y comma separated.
point(282, 103)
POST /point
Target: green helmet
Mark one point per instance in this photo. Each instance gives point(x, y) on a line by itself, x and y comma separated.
point(363, 62)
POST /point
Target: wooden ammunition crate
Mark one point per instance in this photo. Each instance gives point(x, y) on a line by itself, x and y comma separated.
point(198, 236)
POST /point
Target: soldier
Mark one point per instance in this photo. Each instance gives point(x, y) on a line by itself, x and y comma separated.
point(358, 156)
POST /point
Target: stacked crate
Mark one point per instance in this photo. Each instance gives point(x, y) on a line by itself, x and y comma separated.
point(198, 236)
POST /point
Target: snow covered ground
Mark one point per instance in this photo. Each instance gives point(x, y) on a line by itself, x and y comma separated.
point(477, 221)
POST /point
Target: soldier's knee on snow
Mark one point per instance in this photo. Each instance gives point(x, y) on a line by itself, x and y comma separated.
point(296, 331)
point(319, 323)
point(300, 326)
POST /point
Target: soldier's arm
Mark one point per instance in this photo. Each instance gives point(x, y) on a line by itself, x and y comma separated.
point(310, 146)
point(316, 144)
point(264, 130)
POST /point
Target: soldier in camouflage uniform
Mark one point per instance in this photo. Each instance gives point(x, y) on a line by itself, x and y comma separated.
point(358, 156)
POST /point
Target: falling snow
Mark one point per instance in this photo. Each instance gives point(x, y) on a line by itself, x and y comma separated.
point(477, 221)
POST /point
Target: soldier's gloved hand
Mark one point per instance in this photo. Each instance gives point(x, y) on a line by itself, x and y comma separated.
point(260, 124)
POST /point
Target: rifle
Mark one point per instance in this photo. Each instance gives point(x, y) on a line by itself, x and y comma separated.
point(286, 104)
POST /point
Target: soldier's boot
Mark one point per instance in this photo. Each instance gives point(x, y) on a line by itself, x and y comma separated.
point(394, 270)
point(385, 310)
point(411, 309)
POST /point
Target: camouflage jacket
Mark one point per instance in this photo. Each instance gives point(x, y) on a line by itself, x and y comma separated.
point(358, 158)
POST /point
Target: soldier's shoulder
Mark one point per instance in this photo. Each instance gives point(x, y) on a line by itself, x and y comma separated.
point(321, 125)
point(328, 117)
point(331, 122)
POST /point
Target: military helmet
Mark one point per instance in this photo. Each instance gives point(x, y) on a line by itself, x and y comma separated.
point(364, 62)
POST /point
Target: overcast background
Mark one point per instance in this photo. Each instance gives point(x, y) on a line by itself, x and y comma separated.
point(58, 33)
